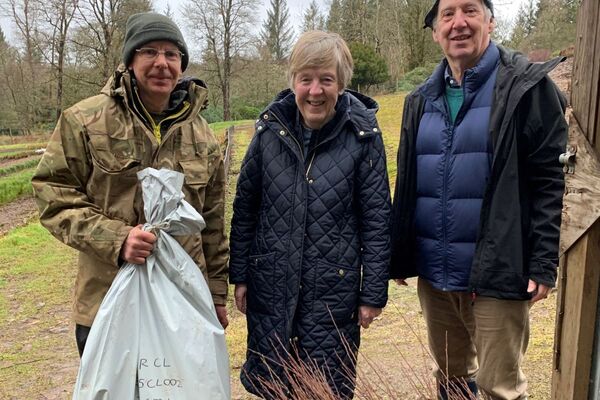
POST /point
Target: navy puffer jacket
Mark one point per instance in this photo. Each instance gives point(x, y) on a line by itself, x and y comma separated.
point(310, 238)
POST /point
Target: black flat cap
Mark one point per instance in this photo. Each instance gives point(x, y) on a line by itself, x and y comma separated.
point(434, 9)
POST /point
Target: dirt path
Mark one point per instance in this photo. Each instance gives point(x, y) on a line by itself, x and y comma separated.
point(17, 213)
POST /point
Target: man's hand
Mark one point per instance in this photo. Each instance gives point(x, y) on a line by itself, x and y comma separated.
point(400, 282)
point(240, 296)
point(222, 315)
point(137, 246)
point(366, 315)
point(539, 291)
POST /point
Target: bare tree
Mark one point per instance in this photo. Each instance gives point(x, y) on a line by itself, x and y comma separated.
point(57, 17)
point(225, 28)
point(102, 29)
point(8, 115)
point(24, 80)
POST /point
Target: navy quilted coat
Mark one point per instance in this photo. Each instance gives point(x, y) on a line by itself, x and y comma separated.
point(310, 238)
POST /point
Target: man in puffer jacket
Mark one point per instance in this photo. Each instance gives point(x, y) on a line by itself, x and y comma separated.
point(86, 186)
point(478, 200)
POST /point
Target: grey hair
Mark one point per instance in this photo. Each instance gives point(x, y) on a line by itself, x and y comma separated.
point(321, 49)
point(488, 14)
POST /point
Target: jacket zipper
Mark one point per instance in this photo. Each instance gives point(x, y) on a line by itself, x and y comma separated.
point(293, 339)
point(156, 127)
point(445, 205)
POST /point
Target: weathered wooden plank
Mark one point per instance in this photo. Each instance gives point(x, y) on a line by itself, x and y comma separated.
point(584, 63)
point(581, 201)
point(576, 318)
point(594, 82)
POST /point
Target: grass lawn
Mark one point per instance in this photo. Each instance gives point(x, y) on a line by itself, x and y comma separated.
point(38, 356)
point(15, 185)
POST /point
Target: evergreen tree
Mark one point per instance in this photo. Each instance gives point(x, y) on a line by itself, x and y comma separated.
point(313, 19)
point(524, 24)
point(335, 22)
point(277, 32)
point(369, 67)
point(554, 27)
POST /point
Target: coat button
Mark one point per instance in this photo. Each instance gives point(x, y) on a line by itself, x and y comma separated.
point(361, 133)
point(259, 128)
point(310, 180)
point(375, 130)
point(266, 116)
point(341, 272)
point(282, 133)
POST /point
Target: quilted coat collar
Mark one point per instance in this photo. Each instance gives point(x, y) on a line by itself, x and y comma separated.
point(352, 107)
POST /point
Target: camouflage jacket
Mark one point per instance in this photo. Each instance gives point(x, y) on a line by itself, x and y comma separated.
point(88, 194)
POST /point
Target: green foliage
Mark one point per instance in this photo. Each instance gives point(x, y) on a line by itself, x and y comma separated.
point(213, 114)
point(14, 155)
point(369, 67)
point(19, 167)
point(413, 78)
point(545, 25)
point(244, 112)
point(16, 185)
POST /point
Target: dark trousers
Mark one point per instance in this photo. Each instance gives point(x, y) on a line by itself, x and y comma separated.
point(81, 335)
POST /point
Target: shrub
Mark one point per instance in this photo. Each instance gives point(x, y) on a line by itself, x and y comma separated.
point(413, 78)
point(212, 114)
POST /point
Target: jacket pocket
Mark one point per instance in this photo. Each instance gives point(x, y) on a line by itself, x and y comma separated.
point(115, 156)
point(261, 281)
point(196, 172)
point(336, 292)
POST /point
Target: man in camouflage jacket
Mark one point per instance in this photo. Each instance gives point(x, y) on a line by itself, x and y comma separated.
point(86, 185)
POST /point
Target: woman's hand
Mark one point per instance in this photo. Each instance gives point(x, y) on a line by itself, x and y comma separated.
point(240, 296)
point(366, 315)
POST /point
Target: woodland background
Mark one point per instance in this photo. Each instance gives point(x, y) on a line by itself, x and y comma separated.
point(62, 51)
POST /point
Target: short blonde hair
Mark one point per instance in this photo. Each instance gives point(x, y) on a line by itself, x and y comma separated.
point(316, 49)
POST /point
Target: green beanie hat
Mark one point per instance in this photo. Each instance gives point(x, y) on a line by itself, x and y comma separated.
point(147, 27)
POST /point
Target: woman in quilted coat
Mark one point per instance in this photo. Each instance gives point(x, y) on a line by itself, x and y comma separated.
point(309, 235)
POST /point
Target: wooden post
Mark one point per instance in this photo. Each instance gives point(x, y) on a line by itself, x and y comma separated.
point(576, 317)
point(228, 145)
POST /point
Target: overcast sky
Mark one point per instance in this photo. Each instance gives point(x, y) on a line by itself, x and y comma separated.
point(504, 9)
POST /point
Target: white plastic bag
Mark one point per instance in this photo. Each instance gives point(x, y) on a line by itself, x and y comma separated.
point(156, 334)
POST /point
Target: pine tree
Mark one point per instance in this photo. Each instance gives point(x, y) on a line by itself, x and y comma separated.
point(335, 22)
point(277, 32)
point(313, 19)
point(524, 24)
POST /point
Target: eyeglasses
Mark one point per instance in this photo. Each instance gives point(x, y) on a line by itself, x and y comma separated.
point(149, 53)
